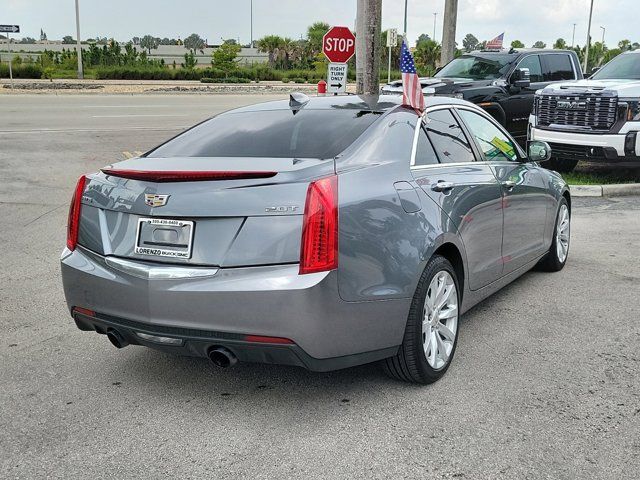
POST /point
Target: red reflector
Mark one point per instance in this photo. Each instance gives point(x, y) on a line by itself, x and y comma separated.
point(186, 176)
point(73, 222)
point(84, 311)
point(319, 248)
point(263, 339)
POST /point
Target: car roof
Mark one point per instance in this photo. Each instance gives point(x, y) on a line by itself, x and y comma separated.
point(373, 103)
point(517, 51)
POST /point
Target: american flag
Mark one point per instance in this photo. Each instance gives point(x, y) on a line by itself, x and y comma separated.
point(496, 43)
point(411, 88)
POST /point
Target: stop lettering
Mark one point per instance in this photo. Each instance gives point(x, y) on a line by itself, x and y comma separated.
point(339, 44)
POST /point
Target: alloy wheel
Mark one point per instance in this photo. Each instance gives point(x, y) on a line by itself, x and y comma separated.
point(440, 321)
point(563, 231)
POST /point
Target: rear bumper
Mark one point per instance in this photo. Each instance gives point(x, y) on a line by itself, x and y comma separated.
point(197, 343)
point(622, 147)
point(223, 308)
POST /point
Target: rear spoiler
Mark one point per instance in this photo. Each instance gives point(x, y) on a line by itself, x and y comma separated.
point(185, 176)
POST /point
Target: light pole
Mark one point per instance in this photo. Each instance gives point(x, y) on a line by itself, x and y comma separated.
point(586, 53)
point(79, 45)
point(573, 37)
point(603, 30)
point(251, 44)
point(435, 15)
point(405, 17)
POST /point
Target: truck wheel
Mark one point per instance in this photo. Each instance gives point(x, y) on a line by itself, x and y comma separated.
point(562, 165)
point(431, 333)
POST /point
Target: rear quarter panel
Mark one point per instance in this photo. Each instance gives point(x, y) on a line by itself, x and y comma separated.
point(384, 249)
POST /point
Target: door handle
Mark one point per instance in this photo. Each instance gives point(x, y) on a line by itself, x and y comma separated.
point(509, 184)
point(441, 186)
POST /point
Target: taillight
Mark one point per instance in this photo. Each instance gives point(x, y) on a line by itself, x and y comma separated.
point(319, 248)
point(73, 223)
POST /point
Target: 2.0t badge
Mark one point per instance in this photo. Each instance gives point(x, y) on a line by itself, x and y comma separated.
point(155, 200)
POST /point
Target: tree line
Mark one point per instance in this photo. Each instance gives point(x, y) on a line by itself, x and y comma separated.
point(599, 53)
point(283, 53)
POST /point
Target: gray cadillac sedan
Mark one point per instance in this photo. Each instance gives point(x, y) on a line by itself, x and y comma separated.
point(320, 232)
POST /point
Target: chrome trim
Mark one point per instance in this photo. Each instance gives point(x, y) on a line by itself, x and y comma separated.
point(416, 134)
point(157, 272)
point(456, 164)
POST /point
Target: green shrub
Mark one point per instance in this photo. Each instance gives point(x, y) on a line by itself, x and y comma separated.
point(26, 70)
point(285, 80)
point(225, 80)
point(135, 73)
point(299, 80)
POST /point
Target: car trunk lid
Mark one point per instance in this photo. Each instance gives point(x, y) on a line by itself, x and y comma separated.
point(224, 212)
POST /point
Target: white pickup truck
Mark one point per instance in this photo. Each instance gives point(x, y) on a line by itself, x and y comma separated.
point(597, 120)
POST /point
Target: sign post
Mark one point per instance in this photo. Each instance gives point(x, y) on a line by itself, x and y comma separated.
point(338, 45)
point(10, 29)
point(392, 41)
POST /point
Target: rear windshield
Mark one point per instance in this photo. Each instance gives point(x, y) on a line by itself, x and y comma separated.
point(477, 67)
point(623, 67)
point(273, 133)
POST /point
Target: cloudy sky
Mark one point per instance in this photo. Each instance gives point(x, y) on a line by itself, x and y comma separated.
point(526, 20)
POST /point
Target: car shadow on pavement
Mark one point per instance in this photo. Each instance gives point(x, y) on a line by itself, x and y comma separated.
point(163, 375)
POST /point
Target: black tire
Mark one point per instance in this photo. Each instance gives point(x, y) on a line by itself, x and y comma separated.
point(410, 363)
point(551, 262)
point(562, 165)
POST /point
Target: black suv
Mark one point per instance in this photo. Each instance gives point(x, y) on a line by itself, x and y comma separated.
point(502, 82)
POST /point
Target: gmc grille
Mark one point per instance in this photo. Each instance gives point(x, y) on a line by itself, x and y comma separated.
point(589, 111)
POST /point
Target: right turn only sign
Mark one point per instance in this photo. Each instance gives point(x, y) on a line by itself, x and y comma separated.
point(337, 78)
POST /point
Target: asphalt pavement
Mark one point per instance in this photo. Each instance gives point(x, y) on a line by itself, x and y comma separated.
point(545, 383)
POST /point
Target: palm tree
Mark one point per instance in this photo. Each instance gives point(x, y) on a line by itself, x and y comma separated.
point(288, 49)
point(427, 54)
point(271, 45)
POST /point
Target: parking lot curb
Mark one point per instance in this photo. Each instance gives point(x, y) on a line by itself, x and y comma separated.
point(586, 190)
point(611, 190)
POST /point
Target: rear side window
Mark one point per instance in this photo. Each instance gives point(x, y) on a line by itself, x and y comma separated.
point(532, 62)
point(273, 133)
point(425, 154)
point(559, 67)
point(448, 138)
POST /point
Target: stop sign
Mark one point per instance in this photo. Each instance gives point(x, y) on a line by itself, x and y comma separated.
point(339, 44)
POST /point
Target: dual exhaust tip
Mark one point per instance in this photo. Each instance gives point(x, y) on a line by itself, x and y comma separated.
point(219, 356)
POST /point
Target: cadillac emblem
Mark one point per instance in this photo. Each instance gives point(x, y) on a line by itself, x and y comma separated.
point(155, 200)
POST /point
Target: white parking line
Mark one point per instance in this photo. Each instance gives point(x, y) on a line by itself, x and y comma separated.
point(140, 115)
point(125, 106)
point(72, 130)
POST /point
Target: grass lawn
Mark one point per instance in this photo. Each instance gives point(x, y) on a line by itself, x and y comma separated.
point(578, 178)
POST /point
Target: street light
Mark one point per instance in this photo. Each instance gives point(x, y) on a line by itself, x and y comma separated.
point(435, 15)
point(79, 45)
point(251, 44)
point(405, 17)
point(573, 37)
point(603, 30)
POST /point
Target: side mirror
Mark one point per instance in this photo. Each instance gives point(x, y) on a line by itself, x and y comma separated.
point(538, 151)
point(593, 71)
point(521, 77)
